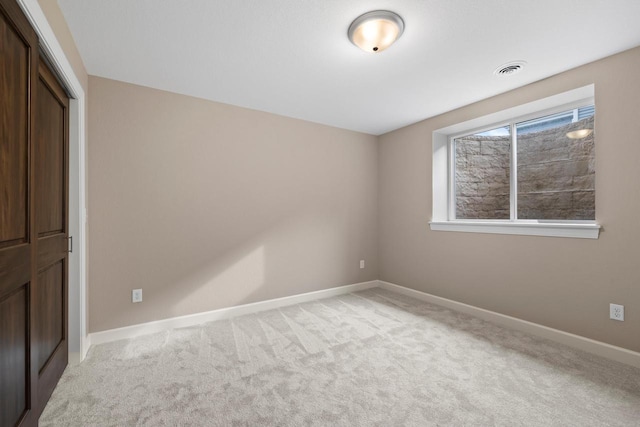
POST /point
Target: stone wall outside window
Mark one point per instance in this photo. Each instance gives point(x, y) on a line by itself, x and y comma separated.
point(556, 175)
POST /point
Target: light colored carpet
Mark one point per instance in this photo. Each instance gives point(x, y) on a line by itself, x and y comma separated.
point(373, 358)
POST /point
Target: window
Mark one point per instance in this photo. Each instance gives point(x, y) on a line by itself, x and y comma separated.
point(527, 170)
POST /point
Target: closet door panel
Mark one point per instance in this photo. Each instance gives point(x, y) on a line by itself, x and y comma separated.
point(14, 132)
point(14, 342)
point(18, 59)
point(51, 183)
point(50, 304)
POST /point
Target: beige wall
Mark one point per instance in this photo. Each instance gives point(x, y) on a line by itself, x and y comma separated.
point(558, 282)
point(205, 205)
point(59, 26)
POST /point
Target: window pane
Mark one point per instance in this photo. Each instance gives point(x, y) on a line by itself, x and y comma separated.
point(482, 175)
point(556, 166)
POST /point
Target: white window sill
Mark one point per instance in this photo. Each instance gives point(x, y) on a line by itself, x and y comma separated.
point(586, 230)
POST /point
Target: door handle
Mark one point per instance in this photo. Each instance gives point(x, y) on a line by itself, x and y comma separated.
point(70, 246)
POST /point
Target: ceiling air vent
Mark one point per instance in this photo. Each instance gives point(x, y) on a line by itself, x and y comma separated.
point(509, 68)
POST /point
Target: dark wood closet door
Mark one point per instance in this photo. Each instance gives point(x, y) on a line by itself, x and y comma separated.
point(33, 223)
point(18, 59)
point(51, 200)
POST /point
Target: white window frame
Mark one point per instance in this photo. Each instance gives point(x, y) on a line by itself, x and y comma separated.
point(443, 215)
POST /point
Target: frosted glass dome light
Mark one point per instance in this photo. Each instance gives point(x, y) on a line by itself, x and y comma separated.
point(375, 31)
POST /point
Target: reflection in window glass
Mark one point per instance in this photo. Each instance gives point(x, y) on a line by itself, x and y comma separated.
point(556, 166)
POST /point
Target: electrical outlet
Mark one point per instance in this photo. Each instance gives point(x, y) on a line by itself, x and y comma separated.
point(361, 263)
point(616, 312)
point(136, 295)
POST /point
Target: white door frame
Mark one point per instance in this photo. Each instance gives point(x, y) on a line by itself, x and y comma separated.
point(78, 340)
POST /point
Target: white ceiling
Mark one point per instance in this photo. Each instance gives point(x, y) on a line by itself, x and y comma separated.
point(293, 58)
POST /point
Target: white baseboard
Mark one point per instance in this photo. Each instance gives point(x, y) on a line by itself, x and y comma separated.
point(599, 348)
point(609, 351)
point(223, 313)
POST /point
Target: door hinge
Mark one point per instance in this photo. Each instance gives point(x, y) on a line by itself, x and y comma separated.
point(70, 245)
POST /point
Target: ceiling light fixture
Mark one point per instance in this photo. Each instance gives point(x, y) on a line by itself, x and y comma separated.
point(375, 31)
point(579, 134)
